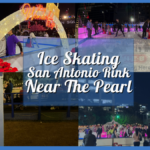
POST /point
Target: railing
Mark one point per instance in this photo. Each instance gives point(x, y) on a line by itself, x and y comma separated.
point(12, 95)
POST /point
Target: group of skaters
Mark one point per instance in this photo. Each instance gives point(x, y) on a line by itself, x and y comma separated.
point(137, 132)
point(116, 27)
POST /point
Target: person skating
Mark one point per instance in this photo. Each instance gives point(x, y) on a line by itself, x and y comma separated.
point(128, 28)
point(145, 26)
point(99, 132)
point(96, 27)
point(33, 38)
point(89, 28)
point(119, 27)
point(136, 28)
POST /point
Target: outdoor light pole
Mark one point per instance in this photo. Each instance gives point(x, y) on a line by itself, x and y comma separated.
point(1, 111)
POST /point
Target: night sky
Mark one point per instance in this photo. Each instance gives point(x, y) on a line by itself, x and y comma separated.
point(142, 88)
point(7, 9)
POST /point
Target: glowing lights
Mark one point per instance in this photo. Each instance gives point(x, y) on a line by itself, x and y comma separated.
point(118, 116)
point(50, 14)
point(66, 17)
point(132, 19)
point(52, 7)
point(25, 7)
point(39, 14)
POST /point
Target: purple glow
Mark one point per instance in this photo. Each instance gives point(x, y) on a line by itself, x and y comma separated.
point(82, 32)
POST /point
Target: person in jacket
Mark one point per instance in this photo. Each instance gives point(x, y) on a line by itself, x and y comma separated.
point(89, 139)
point(11, 86)
point(7, 92)
point(96, 27)
point(128, 28)
point(136, 28)
point(86, 130)
point(99, 132)
point(145, 26)
point(119, 27)
point(89, 28)
point(136, 137)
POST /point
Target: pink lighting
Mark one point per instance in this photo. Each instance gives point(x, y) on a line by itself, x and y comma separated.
point(83, 33)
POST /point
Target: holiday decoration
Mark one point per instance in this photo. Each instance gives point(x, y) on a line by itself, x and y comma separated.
point(29, 25)
point(50, 14)
point(6, 67)
point(37, 27)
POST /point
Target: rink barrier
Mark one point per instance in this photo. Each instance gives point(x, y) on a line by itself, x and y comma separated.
point(22, 38)
point(32, 50)
point(12, 103)
point(110, 141)
point(41, 44)
point(83, 31)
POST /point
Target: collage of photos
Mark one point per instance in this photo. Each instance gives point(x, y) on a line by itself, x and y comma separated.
point(53, 28)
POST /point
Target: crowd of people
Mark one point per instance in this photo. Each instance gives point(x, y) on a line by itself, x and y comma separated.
point(115, 27)
point(48, 33)
point(136, 131)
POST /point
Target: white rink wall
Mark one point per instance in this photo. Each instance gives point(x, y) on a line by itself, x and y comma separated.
point(108, 142)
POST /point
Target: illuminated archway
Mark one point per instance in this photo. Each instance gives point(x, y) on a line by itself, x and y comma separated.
point(19, 16)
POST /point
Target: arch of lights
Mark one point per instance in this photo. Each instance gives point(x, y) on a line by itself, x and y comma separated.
point(50, 14)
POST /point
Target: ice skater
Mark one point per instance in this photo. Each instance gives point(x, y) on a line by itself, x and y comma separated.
point(145, 26)
point(119, 27)
point(89, 28)
point(33, 38)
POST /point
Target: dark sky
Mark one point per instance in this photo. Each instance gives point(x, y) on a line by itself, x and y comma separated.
point(142, 88)
point(7, 9)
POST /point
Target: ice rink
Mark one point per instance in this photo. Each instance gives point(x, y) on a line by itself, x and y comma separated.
point(132, 34)
point(30, 49)
point(51, 46)
point(141, 46)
